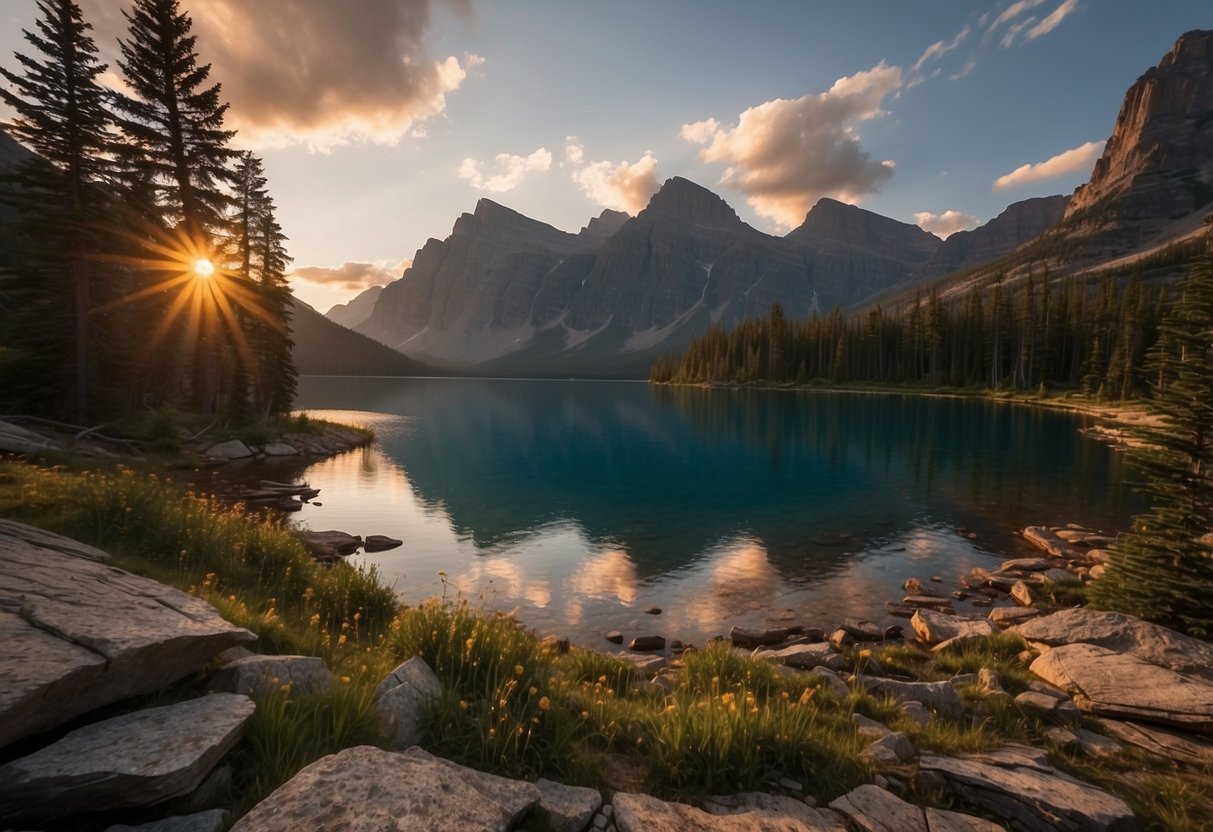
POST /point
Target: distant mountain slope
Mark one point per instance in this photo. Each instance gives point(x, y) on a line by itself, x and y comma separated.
point(349, 315)
point(324, 348)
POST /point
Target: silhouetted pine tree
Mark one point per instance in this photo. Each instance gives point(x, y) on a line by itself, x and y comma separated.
point(62, 116)
point(1163, 569)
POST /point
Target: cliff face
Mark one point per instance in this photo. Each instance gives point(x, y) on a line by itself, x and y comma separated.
point(1019, 223)
point(1158, 164)
point(351, 314)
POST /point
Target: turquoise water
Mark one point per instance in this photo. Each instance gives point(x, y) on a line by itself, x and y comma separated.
point(581, 504)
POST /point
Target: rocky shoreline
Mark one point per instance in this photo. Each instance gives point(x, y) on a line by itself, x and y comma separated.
point(84, 635)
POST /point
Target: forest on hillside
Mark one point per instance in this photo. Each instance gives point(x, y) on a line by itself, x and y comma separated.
point(143, 266)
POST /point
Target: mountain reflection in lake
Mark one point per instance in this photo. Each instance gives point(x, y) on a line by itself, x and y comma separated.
point(584, 503)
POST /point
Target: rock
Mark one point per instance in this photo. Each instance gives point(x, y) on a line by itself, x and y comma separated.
point(1180, 747)
point(1125, 634)
point(982, 602)
point(944, 820)
point(1097, 571)
point(989, 685)
point(940, 697)
point(368, 788)
point(804, 656)
point(137, 759)
point(257, 676)
point(211, 820)
point(872, 809)
point(869, 728)
point(1049, 690)
point(1021, 593)
point(1096, 745)
point(840, 639)
point(861, 630)
point(646, 664)
point(568, 808)
point(916, 712)
point(214, 793)
point(913, 586)
point(1026, 565)
point(751, 638)
point(231, 449)
point(79, 634)
point(934, 627)
point(1039, 701)
point(400, 700)
point(890, 750)
point(555, 644)
point(933, 601)
point(1049, 543)
point(380, 543)
point(279, 449)
point(652, 611)
point(1017, 784)
point(833, 681)
point(341, 542)
point(770, 813)
point(1057, 576)
point(1096, 677)
point(899, 610)
point(1010, 616)
point(614, 637)
point(644, 644)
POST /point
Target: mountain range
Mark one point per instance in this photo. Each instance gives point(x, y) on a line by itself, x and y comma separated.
point(507, 294)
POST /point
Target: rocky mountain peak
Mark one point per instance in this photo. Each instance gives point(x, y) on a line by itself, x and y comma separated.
point(1158, 163)
point(682, 199)
point(603, 226)
point(838, 223)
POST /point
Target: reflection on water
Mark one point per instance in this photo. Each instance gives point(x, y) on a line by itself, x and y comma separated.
point(584, 503)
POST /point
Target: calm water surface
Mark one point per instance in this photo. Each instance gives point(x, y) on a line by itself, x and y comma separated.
point(584, 503)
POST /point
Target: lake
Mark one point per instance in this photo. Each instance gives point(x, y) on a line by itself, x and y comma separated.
point(582, 504)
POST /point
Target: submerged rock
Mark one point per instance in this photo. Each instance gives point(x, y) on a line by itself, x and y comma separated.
point(381, 543)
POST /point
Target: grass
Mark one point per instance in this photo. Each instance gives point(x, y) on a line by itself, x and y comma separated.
point(513, 706)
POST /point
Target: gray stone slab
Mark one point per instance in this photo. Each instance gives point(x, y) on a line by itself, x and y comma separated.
point(567, 808)
point(138, 759)
point(81, 634)
point(935, 627)
point(643, 813)
point(940, 697)
point(211, 820)
point(257, 676)
point(365, 788)
point(872, 809)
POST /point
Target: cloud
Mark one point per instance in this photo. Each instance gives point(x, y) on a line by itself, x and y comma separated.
point(784, 155)
point(1013, 11)
point(1013, 31)
point(1075, 160)
point(1052, 21)
point(351, 275)
point(317, 72)
point(940, 48)
point(510, 170)
point(573, 151)
point(623, 186)
point(945, 224)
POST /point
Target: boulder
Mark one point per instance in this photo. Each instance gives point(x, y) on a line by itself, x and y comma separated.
point(1021, 593)
point(138, 759)
point(1125, 634)
point(759, 807)
point(833, 682)
point(323, 542)
point(892, 749)
point(750, 638)
point(369, 788)
point(279, 449)
point(1107, 683)
point(646, 664)
point(940, 697)
point(1173, 745)
point(79, 634)
point(916, 712)
point(647, 644)
point(934, 627)
point(861, 630)
point(804, 656)
point(913, 586)
point(1049, 543)
point(643, 813)
point(567, 808)
point(1017, 784)
point(870, 808)
point(400, 700)
point(211, 820)
point(258, 676)
point(1026, 565)
point(1010, 616)
point(868, 728)
point(380, 543)
point(231, 449)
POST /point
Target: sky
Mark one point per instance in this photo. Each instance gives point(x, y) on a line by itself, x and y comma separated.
point(381, 121)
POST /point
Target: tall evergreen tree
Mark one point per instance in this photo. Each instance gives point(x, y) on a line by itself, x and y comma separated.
point(175, 117)
point(62, 115)
point(1163, 569)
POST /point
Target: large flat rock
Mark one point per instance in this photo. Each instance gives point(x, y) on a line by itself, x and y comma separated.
point(138, 759)
point(80, 634)
point(936, 627)
point(1173, 745)
point(1017, 784)
point(644, 813)
point(1124, 634)
point(872, 809)
point(940, 697)
point(1107, 683)
point(366, 789)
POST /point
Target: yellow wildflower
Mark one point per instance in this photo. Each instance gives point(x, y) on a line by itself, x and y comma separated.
point(544, 703)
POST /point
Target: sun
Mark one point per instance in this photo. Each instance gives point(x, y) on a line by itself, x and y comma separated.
point(203, 268)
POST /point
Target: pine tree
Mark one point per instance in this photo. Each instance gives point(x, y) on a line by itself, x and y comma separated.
point(62, 115)
point(176, 119)
point(1163, 568)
